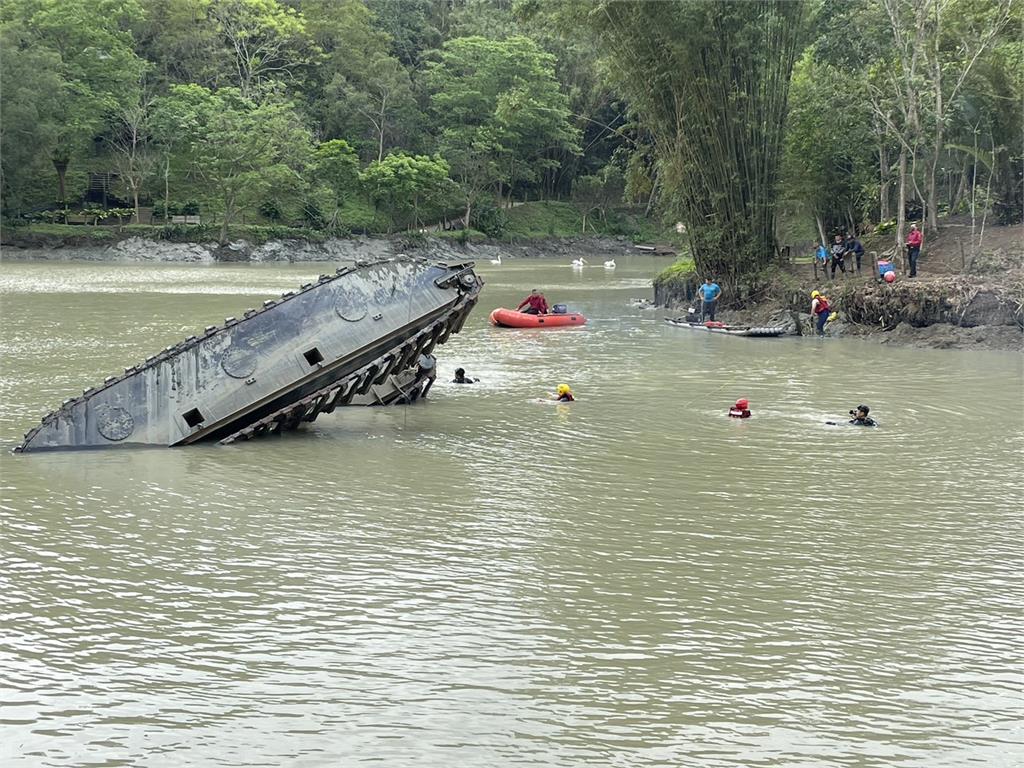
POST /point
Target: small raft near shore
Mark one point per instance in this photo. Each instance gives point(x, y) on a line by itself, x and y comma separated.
point(765, 332)
point(510, 318)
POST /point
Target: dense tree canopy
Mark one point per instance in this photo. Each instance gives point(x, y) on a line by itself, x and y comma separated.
point(499, 109)
point(341, 114)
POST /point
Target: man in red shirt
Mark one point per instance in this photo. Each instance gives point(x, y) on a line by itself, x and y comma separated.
point(538, 305)
point(914, 238)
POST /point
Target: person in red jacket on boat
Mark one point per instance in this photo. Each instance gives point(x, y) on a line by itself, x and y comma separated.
point(538, 305)
point(741, 410)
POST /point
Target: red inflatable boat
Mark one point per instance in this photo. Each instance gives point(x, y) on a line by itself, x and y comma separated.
point(509, 318)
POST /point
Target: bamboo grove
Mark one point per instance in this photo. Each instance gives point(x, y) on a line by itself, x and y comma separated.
point(711, 81)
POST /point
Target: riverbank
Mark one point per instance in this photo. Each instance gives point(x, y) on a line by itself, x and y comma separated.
point(958, 312)
point(956, 302)
point(140, 249)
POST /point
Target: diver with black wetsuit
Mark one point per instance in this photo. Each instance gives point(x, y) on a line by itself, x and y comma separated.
point(860, 418)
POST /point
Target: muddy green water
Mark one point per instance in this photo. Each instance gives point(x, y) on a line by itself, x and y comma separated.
point(485, 580)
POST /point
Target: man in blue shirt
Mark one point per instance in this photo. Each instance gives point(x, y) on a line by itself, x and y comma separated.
point(709, 293)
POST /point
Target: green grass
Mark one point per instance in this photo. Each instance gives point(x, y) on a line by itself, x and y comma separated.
point(359, 215)
point(43, 233)
point(543, 219)
point(462, 235)
point(683, 269)
point(46, 230)
point(552, 218)
point(529, 221)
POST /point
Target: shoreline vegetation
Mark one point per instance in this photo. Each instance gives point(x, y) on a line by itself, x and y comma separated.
point(263, 130)
point(962, 298)
point(523, 223)
point(957, 302)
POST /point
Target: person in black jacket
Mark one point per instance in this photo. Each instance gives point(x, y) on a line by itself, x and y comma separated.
point(854, 248)
point(838, 252)
point(860, 418)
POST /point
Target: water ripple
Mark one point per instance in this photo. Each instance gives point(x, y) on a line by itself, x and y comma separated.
point(485, 579)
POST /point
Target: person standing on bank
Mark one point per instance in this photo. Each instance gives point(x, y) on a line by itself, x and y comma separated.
point(709, 293)
point(838, 255)
point(854, 247)
point(914, 239)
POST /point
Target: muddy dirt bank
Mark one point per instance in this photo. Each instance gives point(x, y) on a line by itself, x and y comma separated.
point(947, 312)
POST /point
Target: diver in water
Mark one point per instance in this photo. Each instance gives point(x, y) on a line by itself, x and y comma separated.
point(462, 378)
point(741, 410)
point(563, 394)
point(860, 418)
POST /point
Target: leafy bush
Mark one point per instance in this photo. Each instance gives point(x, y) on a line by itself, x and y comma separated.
point(261, 234)
point(268, 209)
point(463, 236)
point(412, 240)
point(190, 208)
point(361, 218)
point(489, 219)
point(312, 215)
point(121, 214)
point(185, 233)
point(682, 269)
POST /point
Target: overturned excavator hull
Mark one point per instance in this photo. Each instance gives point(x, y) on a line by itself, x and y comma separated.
point(362, 335)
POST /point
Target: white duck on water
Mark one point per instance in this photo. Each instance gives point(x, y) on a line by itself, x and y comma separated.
point(579, 263)
point(610, 264)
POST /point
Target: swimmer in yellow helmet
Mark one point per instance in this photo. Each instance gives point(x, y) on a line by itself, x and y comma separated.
point(563, 394)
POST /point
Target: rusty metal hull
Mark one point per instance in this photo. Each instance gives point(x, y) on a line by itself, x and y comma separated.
point(272, 369)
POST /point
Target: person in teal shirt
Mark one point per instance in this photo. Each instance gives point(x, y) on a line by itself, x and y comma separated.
point(709, 293)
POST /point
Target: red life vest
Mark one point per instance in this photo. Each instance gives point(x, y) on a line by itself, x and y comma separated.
point(822, 305)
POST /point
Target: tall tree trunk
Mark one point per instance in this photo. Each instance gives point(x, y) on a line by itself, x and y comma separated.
point(884, 206)
point(381, 126)
point(883, 180)
point(229, 204)
point(901, 198)
point(961, 187)
point(931, 188)
point(61, 167)
point(167, 188)
point(931, 191)
point(650, 199)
